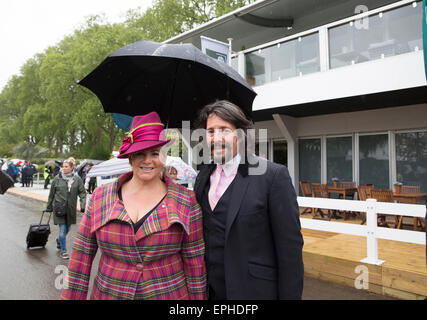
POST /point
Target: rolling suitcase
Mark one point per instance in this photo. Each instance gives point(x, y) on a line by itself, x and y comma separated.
point(39, 233)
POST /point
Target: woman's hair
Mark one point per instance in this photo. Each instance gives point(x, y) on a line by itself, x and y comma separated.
point(227, 111)
point(231, 113)
point(71, 162)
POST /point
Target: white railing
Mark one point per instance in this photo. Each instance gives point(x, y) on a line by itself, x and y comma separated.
point(371, 231)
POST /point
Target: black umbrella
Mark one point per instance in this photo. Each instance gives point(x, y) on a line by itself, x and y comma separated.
point(175, 80)
point(5, 182)
point(85, 163)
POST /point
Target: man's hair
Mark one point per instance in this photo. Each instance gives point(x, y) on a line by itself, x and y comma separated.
point(227, 111)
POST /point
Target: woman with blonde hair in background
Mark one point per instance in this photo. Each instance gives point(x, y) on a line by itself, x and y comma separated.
point(65, 188)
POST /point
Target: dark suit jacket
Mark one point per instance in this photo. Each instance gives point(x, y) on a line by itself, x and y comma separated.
point(263, 241)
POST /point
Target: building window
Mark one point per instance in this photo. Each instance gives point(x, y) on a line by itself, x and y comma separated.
point(339, 162)
point(280, 152)
point(283, 60)
point(263, 153)
point(378, 36)
point(309, 160)
point(374, 160)
point(411, 158)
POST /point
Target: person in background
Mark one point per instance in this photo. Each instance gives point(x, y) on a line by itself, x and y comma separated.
point(11, 171)
point(30, 175)
point(172, 173)
point(47, 174)
point(92, 181)
point(24, 174)
point(65, 189)
point(148, 229)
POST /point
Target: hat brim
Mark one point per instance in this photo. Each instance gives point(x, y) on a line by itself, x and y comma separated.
point(144, 145)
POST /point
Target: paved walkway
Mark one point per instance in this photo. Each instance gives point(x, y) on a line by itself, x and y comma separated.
point(36, 192)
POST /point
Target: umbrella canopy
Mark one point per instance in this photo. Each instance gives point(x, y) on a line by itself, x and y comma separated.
point(5, 182)
point(110, 167)
point(49, 163)
point(118, 166)
point(175, 80)
point(85, 163)
point(17, 162)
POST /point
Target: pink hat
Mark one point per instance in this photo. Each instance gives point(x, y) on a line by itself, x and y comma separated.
point(146, 132)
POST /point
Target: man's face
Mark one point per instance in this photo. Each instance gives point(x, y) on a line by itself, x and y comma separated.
point(221, 138)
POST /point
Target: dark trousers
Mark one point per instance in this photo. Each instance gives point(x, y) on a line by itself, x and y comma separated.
point(46, 182)
point(92, 186)
point(24, 180)
point(29, 182)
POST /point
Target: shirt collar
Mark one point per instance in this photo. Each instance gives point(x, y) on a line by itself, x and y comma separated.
point(231, 166)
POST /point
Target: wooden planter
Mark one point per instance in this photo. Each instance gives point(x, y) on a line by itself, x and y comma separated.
point(397, 188)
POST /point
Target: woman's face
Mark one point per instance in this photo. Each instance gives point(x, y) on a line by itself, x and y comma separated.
point(147, 164)
point(173, 174)
point(66, 168)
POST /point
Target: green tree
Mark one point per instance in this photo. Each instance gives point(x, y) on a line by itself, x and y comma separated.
point(45, 107)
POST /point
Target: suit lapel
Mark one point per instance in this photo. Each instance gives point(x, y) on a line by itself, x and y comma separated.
point(238, 192)
point(202, 180)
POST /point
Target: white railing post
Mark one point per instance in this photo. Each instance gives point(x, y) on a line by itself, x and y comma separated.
point(371, 236)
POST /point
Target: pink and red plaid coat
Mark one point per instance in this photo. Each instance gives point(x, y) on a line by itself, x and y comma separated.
point(163, 260)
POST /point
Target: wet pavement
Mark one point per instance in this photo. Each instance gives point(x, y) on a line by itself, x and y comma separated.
point(37, 274)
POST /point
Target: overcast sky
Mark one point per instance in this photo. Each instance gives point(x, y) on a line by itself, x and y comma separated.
point(28, 27)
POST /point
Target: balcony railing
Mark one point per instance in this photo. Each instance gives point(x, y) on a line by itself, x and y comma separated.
point(388, 31)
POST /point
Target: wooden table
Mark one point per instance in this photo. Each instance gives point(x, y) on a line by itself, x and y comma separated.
point(343, 191)
point(413, 198)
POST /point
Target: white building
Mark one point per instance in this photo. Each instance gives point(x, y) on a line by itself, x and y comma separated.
point(341, 85)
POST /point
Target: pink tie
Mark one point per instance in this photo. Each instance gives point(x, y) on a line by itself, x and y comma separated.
point(213, 200)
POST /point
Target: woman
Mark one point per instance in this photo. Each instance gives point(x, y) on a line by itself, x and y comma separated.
point(65, 188)
point(171, 172)
point(148, 229)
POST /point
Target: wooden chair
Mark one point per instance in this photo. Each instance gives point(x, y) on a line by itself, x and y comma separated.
point(348, 184)
point(385, 195)
point(363, 193)
point(410, 189)
point(306, 192)
point(320, 190)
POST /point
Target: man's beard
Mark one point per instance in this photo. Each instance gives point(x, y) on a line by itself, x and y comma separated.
point(222, 157)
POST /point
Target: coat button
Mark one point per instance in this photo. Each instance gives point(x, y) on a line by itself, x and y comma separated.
point(139, 266)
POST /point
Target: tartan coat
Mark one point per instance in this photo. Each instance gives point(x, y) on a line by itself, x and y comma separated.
point(163, 260)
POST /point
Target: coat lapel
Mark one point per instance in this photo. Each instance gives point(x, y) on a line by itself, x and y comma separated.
point(202, 180)
point(110, 208)
point(240, 185)
point(170, 211)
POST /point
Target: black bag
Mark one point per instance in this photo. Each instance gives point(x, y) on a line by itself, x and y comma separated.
point(60, 208)
point(39, 233)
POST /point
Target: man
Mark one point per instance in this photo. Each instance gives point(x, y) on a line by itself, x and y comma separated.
point(250, 218)
point(24, 174)
point(30, 176)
